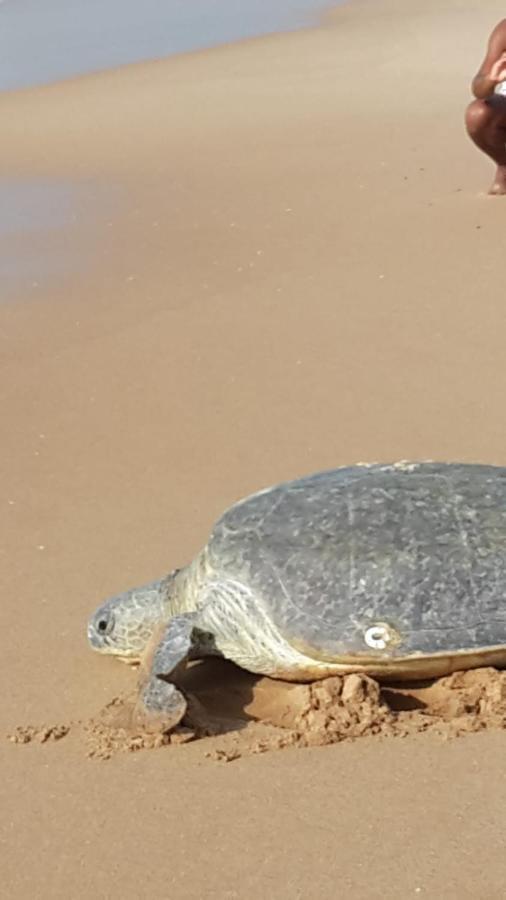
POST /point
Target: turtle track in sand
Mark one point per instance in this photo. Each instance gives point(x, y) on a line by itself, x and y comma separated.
point(234, 714)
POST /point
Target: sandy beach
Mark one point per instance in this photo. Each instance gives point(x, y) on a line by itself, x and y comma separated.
point(282, 259)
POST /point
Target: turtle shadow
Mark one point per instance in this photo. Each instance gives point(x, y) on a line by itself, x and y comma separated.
point(219, 695)
point(433, 696)
point(223, 697)
point(404, 697)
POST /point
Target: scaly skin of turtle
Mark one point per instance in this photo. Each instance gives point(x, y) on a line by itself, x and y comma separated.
point(161, 706)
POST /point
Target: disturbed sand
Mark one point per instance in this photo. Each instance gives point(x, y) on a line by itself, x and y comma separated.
point(247, 715)
point(300, 269)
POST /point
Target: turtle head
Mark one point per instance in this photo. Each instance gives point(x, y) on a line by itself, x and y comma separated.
point(124, 624)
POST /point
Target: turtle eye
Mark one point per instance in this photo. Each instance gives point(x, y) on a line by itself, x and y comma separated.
point(105, 623)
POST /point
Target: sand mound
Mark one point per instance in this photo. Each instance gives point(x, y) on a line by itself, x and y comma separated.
point(235, 714)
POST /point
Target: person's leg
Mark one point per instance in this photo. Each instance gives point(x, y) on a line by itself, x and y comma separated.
point(486, 126)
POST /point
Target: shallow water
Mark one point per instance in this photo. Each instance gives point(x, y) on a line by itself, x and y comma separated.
point(28, 206)
point(34, 214)
point(48, 40)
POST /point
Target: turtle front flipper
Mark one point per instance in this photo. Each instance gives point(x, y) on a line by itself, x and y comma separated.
point(161, 706)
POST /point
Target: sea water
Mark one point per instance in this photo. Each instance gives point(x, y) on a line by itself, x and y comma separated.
point(49, 40)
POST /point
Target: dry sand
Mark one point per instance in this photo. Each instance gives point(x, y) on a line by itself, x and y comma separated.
point(301, 270)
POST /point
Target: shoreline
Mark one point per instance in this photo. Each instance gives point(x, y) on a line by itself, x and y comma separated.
point(328, 20)
point(167, 31)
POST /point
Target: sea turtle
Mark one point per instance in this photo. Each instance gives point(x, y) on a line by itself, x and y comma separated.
point(397, 571)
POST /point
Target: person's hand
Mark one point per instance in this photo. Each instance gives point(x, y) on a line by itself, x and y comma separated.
point(498, 70)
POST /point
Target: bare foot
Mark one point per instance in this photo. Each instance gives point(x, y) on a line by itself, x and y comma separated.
point(499, 184)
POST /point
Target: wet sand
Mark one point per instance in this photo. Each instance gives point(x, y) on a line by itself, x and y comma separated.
point(299, 271)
